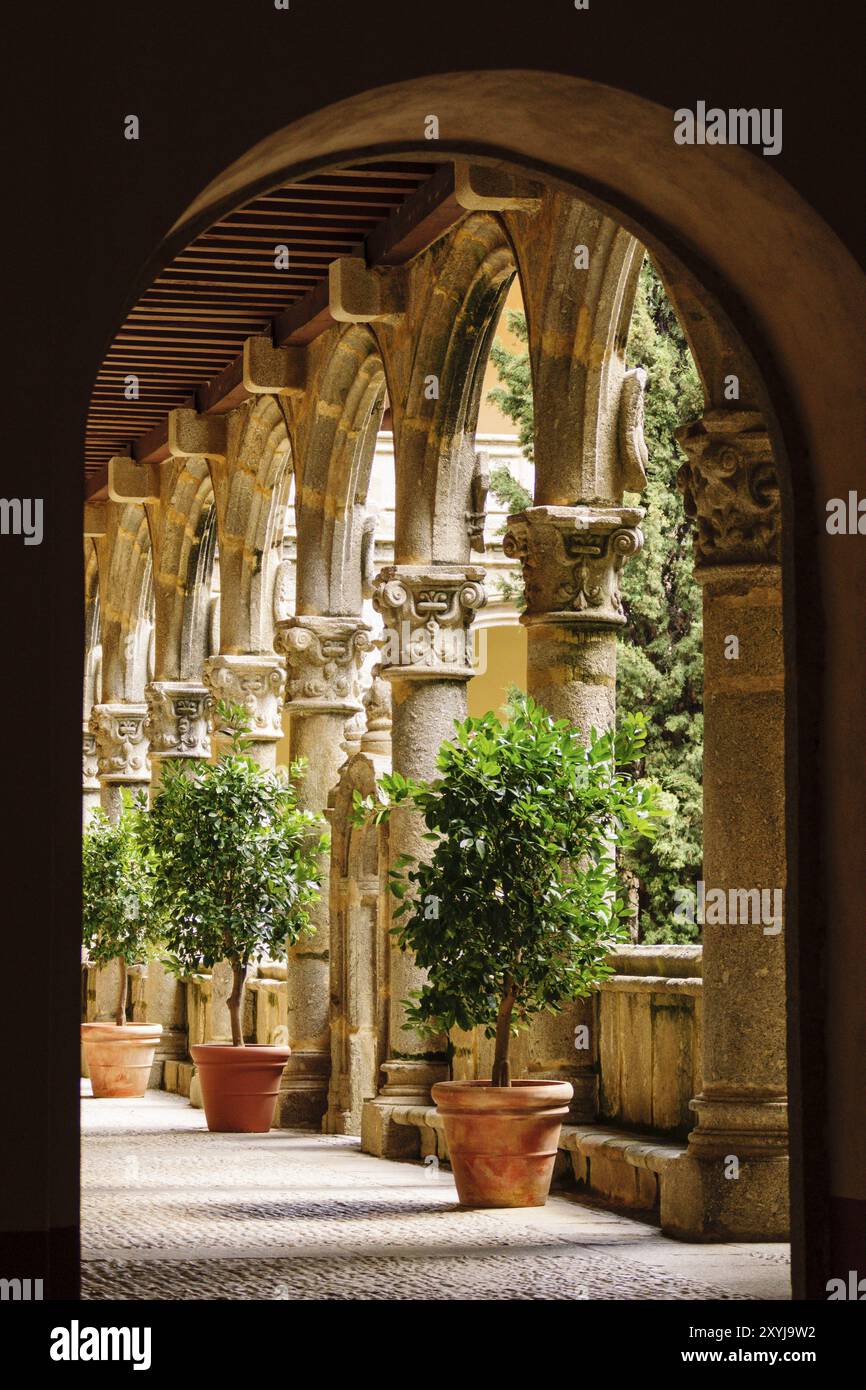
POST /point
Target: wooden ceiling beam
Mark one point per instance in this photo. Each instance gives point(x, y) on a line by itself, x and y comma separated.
point(397, 230)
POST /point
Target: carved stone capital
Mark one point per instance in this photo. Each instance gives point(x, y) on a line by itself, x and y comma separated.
point(178, 715)
point(121, 743)
point(377, 708)
point(324, 656)
point(571, 559)
point(89, 761)
point(257, 683)
point(428, 612)
point(731, 489)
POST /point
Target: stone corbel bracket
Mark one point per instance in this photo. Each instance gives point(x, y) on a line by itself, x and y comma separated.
point(273, 371)
point(571, 559)
point(481, 188)
point(129, 481)
point(191, 435)
point(428, 612)
point(357, 294)
point(634, 456)
point(95, 520)
point(477, 514)
point(324, 656)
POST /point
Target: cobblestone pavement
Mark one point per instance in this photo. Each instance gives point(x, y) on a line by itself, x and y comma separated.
point(174, 1212)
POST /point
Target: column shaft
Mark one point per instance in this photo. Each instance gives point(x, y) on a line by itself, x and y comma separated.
point(571, 559)
point(734, 1181)
point(324, 656)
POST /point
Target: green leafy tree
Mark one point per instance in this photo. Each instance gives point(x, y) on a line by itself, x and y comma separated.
point(118, 916)
point(660, 663)
point(520, 902)
point(660, 657)
point(233, 860)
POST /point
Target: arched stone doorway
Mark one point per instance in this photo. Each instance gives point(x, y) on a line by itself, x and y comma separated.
point(667, 205)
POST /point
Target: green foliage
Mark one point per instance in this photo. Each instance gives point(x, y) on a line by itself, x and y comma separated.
point(514, 396)
point(660, 658)
point(520, 898)
point(232, 858)
point(508, 491)
point(117, 907)
point(660, 661)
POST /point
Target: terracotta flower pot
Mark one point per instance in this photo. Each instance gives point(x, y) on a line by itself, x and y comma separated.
point(502, 1140)
point(120, 1056)
point(239, 1085)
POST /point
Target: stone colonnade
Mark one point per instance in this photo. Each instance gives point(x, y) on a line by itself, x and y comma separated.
point(422, 331)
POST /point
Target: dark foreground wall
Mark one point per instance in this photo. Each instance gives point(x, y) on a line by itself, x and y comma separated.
point(90, 211)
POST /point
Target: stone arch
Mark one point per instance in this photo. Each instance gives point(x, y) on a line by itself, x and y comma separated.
point(434, 361)
point(576, 340)
point(126, 589)
point(182, 535)
point(335, 438)
point(251, 488)
point(616, 149)
point(92, 630)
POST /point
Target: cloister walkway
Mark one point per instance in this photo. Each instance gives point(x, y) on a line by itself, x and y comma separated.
point(171, 1211)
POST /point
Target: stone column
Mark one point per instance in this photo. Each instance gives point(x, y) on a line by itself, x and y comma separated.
point(258, 683)
point(571, 559)
point(177, 724)
point(360, 912)
point(323, 655)
point(89, 772)
point(426, 655)
point(733, 1183)
point(121, 752)
point(122, 762)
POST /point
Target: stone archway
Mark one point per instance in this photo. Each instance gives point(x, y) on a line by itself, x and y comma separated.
point(617, 148)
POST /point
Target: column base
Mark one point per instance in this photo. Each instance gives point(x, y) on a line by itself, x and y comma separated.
point(732, 1182)
point(409, 1083)
point(701, 1201)
point(303, 1099)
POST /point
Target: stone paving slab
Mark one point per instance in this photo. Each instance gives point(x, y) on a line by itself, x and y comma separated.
point(171, 1211)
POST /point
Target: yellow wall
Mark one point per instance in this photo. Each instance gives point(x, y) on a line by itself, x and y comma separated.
point(505, 666)
point(490, 419)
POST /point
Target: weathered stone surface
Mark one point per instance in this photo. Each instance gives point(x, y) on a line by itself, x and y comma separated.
point(178, 715)
point(571, 559)
point(285, 1216)
point(427, 611)
point(257, 683)
point(324, 656)
point(121, 742)
point(730, 488)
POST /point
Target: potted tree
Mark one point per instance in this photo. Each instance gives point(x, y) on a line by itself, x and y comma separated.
point(515, 912)
point(233, 861)
point(118, 925)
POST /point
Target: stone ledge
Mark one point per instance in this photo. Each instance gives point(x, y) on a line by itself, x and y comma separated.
point(622, 1167)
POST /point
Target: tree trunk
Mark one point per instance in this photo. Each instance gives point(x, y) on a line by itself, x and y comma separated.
point(501, 1065)
point(239, 972)
point(120, 1015)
